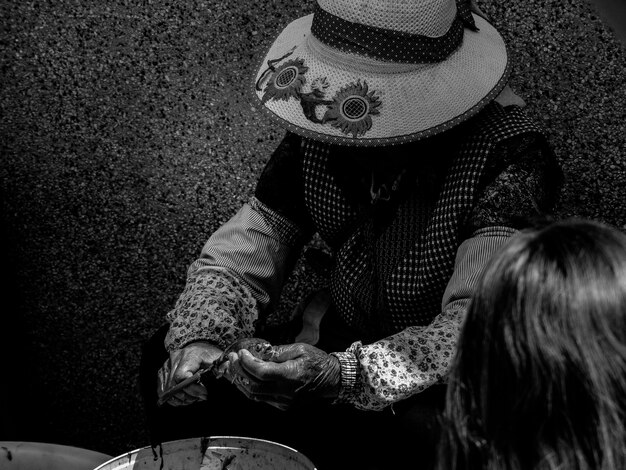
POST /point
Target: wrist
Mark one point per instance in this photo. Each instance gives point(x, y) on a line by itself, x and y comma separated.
point(349, 371)
point(334, 374)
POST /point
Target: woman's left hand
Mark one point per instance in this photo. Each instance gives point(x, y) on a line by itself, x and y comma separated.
point(288, 372)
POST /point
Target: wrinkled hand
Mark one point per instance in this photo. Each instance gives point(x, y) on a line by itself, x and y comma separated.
point(183, 363)
point(286, 373)
point(226, 367)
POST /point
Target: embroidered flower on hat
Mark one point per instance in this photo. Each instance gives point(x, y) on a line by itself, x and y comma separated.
point(286, 81)
point(352, 109)
point(311, 101)
point(319, 84)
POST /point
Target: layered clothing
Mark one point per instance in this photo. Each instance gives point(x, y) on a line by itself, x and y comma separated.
point(408, 239)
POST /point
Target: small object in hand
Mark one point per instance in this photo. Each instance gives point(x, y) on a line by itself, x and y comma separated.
point(258, 347)
point(197, 377)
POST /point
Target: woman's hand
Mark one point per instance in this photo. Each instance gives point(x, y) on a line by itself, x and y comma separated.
point(185, 362)
point(182, 364)
point(285, 373)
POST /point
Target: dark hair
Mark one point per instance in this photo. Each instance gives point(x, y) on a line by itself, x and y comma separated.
point(539, 380)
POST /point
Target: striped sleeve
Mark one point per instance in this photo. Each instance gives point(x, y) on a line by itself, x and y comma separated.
point(239, 276)
point(414, 359)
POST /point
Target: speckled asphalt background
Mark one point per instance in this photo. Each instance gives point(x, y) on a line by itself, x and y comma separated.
point(126, 137)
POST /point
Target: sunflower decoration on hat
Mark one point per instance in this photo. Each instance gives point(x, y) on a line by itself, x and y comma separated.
point(286, 81)
point(381, 72)
point(352, 109)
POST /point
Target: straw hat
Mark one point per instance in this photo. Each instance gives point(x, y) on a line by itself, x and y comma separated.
point(381, 72)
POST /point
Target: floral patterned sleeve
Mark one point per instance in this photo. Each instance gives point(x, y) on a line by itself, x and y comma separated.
point(244, 264)
point(420, 356)
point(238, 276)
point(520, 188)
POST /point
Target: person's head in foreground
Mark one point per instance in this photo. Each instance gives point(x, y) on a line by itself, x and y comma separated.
point(540, 376)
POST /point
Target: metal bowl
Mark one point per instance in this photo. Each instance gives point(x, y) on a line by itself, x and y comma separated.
point(212, 453)
point(16, 455)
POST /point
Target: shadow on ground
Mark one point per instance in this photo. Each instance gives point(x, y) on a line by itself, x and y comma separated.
point(126, 137)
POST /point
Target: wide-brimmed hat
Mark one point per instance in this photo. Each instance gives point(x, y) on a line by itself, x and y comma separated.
point(381, 72)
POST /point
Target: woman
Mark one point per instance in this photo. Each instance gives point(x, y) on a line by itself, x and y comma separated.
point(412, 160)
point(539, 380)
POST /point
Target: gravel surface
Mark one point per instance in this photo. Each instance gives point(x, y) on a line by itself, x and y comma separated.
point(126, 137)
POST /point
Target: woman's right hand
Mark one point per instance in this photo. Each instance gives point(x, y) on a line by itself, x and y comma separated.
point(183, 363)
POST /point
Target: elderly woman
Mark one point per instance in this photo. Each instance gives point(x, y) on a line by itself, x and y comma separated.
point(411, 158)
point(539, 381)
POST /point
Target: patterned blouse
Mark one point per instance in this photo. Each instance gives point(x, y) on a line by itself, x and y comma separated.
point(409, 237)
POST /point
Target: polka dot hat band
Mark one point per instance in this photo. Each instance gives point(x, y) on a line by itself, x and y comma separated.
point(381, 72)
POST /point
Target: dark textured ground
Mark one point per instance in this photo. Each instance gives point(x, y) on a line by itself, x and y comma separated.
point(126, 138)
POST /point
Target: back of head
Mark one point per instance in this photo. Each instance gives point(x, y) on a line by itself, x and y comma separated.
point(540, 376)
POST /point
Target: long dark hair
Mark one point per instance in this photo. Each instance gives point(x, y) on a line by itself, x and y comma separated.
point(539, 380)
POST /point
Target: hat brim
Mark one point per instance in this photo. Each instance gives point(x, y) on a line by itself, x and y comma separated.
point(409, 103)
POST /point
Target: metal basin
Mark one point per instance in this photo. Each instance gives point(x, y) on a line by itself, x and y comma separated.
point(212, 453)
point(15, 455)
